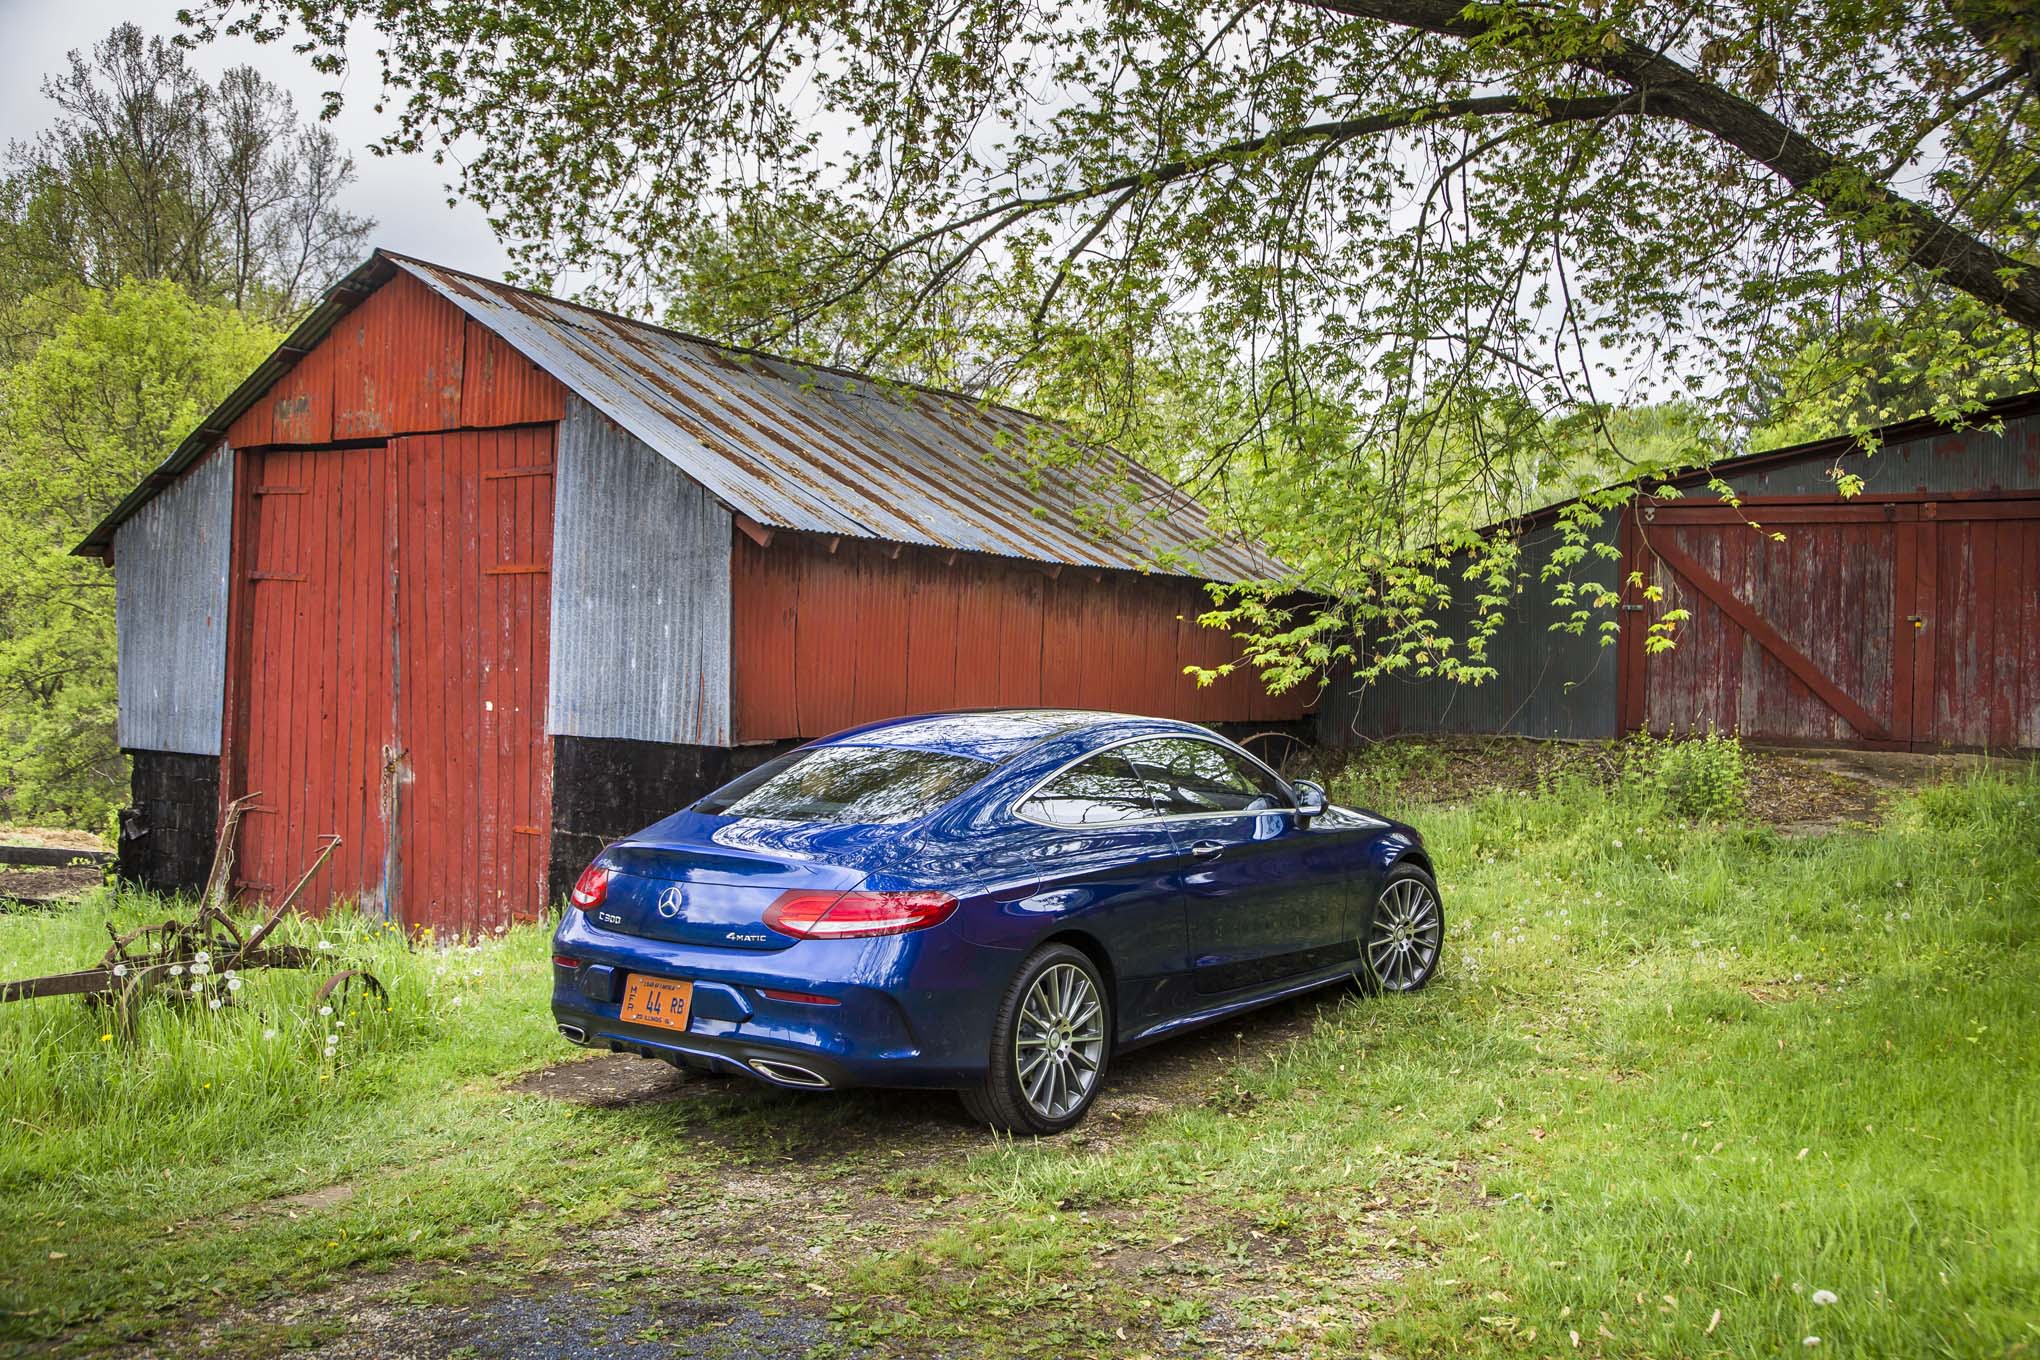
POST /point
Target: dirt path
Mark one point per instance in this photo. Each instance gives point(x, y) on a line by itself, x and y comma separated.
point(739, 1263)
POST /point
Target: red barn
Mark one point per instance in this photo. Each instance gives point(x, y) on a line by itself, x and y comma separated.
point(479, 579)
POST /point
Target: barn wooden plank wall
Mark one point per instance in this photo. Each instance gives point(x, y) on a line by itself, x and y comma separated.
point(406, 361)
point(823, 639)
point(170, 607)
point(641, 593)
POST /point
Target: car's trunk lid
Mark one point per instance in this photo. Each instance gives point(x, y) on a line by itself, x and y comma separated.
point(698, 892)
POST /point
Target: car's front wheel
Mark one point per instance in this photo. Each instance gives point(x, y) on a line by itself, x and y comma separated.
point(1051, 1040)
point(1405, 933)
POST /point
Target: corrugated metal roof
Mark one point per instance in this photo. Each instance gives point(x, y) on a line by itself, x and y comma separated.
point(806, 448)
point(798, 447)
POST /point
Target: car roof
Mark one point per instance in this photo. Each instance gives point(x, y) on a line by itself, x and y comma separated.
point(994, 734)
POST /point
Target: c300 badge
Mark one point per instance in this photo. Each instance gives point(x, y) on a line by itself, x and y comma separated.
point(672, 902)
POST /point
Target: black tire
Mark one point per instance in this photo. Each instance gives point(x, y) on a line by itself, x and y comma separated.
point(1404, 938)
point(1016, 1096)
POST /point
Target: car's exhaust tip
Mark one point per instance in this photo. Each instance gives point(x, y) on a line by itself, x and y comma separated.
point(574, 1033)
point(789, 1074)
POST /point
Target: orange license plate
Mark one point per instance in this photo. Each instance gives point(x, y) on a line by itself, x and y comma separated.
point(657, 1001)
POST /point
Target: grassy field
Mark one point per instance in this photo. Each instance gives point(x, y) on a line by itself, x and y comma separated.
point(1682, 1089)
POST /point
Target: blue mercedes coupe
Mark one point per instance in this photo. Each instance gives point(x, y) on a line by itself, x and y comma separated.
point(997, 903)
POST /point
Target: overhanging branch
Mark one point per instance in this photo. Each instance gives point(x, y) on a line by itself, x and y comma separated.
point(1664, 87)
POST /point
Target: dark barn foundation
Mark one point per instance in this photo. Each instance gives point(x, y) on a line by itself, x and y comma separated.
point(170, 829)
point(608, 787)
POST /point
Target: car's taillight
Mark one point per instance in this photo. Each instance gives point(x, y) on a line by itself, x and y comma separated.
point(592, 886)
point(841, 916)
point(562, 961)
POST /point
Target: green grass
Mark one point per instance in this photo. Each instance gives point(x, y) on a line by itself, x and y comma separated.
point(1675, 1079)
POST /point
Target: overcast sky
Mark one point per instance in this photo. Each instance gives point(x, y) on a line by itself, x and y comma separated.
point(403, 194)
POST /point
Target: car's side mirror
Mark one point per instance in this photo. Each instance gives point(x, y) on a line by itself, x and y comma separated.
point(1311, 799)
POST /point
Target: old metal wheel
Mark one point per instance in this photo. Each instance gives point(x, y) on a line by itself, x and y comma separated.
point(351, 988)
point(1405, 933)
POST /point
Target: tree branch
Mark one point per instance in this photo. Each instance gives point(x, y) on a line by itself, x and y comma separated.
point(1666, 88)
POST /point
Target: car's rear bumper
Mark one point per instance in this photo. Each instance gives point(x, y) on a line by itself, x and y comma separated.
point(866, 1038)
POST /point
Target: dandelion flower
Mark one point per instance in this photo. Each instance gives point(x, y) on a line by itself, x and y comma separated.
point(106, 1038)
point(233, 984)
point(269, 1034)
point(456, 1001)
point(197, 987)
point(1824, 1297)
point(339, 1024)
point(325, 944)
point(215, 1003)
point(202, 956)
point(120, 970)
point(200, 967)
point(325, 1010)
point(1810, 1342)
point(176, 969)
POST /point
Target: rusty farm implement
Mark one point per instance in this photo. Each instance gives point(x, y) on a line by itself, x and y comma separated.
point(161, 956)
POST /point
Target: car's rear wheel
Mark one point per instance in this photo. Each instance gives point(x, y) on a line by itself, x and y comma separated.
point(1405, 933)
point(1051, 1039)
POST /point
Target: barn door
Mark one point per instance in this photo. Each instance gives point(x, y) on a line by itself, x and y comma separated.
point(1796, 639)
point(1974, 624)
point(1905, 624)
point(474, 808)
point(313, 723)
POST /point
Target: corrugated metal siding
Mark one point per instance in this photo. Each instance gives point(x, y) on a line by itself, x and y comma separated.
point(823, 640)
point(1546, 684)
point(1957, 461)
point(641, 593)
point(818, 450)
point(170, 605)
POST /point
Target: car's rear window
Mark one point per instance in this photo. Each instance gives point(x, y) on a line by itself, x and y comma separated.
point(848, 784)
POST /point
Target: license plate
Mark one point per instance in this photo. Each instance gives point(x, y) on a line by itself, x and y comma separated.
point(657, 1001)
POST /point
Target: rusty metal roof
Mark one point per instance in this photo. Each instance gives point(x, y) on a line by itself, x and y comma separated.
point(793, 446)
point(800, 447)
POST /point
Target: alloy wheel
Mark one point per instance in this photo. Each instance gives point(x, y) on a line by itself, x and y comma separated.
point(1059, 1044)
point(1402, 945)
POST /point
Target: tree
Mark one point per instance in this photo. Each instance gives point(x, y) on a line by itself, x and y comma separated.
point(150, 172)
point(1434, 244)
point(117, 379)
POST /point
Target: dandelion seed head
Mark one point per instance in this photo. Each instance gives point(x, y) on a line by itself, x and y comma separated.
point(325, 1010)
point(1824, 1297)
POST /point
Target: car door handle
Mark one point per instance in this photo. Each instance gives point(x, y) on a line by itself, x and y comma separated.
point(1207, 849)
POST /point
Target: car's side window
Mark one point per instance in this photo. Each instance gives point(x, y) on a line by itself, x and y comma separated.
point(1096, 792)
point(1190, 778)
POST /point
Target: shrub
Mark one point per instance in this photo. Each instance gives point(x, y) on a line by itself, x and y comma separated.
point(1698, 777)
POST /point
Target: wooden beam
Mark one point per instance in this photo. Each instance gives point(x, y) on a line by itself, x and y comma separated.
point(754, 531)
point(1770, 639)
point(49, 856)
